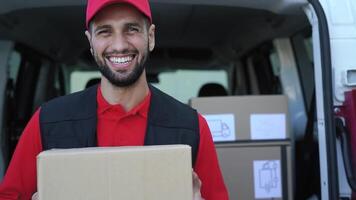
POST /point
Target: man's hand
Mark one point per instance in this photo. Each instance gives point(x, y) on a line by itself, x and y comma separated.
point(35, 196)
point(196, 187)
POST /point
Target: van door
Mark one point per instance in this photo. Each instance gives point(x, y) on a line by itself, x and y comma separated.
point(29, 79)
point(334, 38)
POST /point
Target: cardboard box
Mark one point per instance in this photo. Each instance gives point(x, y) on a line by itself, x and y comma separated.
point(130, 173)
point(241, 118)
point(257, 170)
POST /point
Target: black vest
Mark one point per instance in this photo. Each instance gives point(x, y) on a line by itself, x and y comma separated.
point(70, 121)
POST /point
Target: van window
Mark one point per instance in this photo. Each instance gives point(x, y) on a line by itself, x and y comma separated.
point(303, 47)
point(263, 71)
point(276, 65)
point(14, 65)
point(79, 79)
point(308, 43)
point(181, 84)
point(185, 84)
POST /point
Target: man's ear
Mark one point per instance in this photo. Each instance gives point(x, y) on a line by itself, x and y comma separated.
point(87, 33)
point(151, 37)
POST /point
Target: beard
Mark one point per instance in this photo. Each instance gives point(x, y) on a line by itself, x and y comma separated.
point(122, 78)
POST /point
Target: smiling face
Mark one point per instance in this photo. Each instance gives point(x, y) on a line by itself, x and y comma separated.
point(121, 39)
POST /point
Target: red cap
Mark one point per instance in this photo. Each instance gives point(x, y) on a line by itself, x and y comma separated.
point(94, 6)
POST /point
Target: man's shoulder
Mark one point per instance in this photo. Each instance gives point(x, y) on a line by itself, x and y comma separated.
point(72, 106)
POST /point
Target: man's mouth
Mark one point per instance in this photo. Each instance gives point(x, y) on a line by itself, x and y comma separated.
point(121, 60)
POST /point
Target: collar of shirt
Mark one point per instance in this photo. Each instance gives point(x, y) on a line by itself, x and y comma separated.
point(104, 107)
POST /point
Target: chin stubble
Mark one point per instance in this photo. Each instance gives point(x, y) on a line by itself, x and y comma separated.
point(127, 79)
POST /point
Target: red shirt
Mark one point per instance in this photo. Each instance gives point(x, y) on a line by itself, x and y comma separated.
point(115, 127)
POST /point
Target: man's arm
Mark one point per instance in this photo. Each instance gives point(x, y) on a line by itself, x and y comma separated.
point(20, 178)
point(207, 166)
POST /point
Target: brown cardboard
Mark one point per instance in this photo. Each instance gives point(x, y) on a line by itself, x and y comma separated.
point(130, 173)
point(242, 107)
point(237, 165)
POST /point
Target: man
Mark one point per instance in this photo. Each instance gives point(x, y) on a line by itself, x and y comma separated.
point(122, 110)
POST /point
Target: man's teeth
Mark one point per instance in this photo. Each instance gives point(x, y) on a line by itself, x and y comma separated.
point(120, 60)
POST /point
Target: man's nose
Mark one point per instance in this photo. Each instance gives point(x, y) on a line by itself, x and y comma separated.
point(120, 43)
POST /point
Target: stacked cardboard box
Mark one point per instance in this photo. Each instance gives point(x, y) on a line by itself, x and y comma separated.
point(240, 118)
point(253, 143)
point(257, 170)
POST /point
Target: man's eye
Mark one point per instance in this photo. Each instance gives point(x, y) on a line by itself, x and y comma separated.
point(102, 32)
point(133, 29)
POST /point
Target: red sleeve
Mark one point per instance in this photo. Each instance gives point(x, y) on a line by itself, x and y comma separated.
point(20, 179)
point(207, 166)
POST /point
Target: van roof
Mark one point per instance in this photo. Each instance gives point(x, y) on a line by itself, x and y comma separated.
point(229, 28)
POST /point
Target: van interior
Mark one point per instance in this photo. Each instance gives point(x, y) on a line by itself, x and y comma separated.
point(245, 47)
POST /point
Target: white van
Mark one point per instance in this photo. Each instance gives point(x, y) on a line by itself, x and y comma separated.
point(302, 49)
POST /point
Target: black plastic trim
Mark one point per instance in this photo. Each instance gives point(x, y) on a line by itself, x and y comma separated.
point(343, 134)
point(284, 171)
